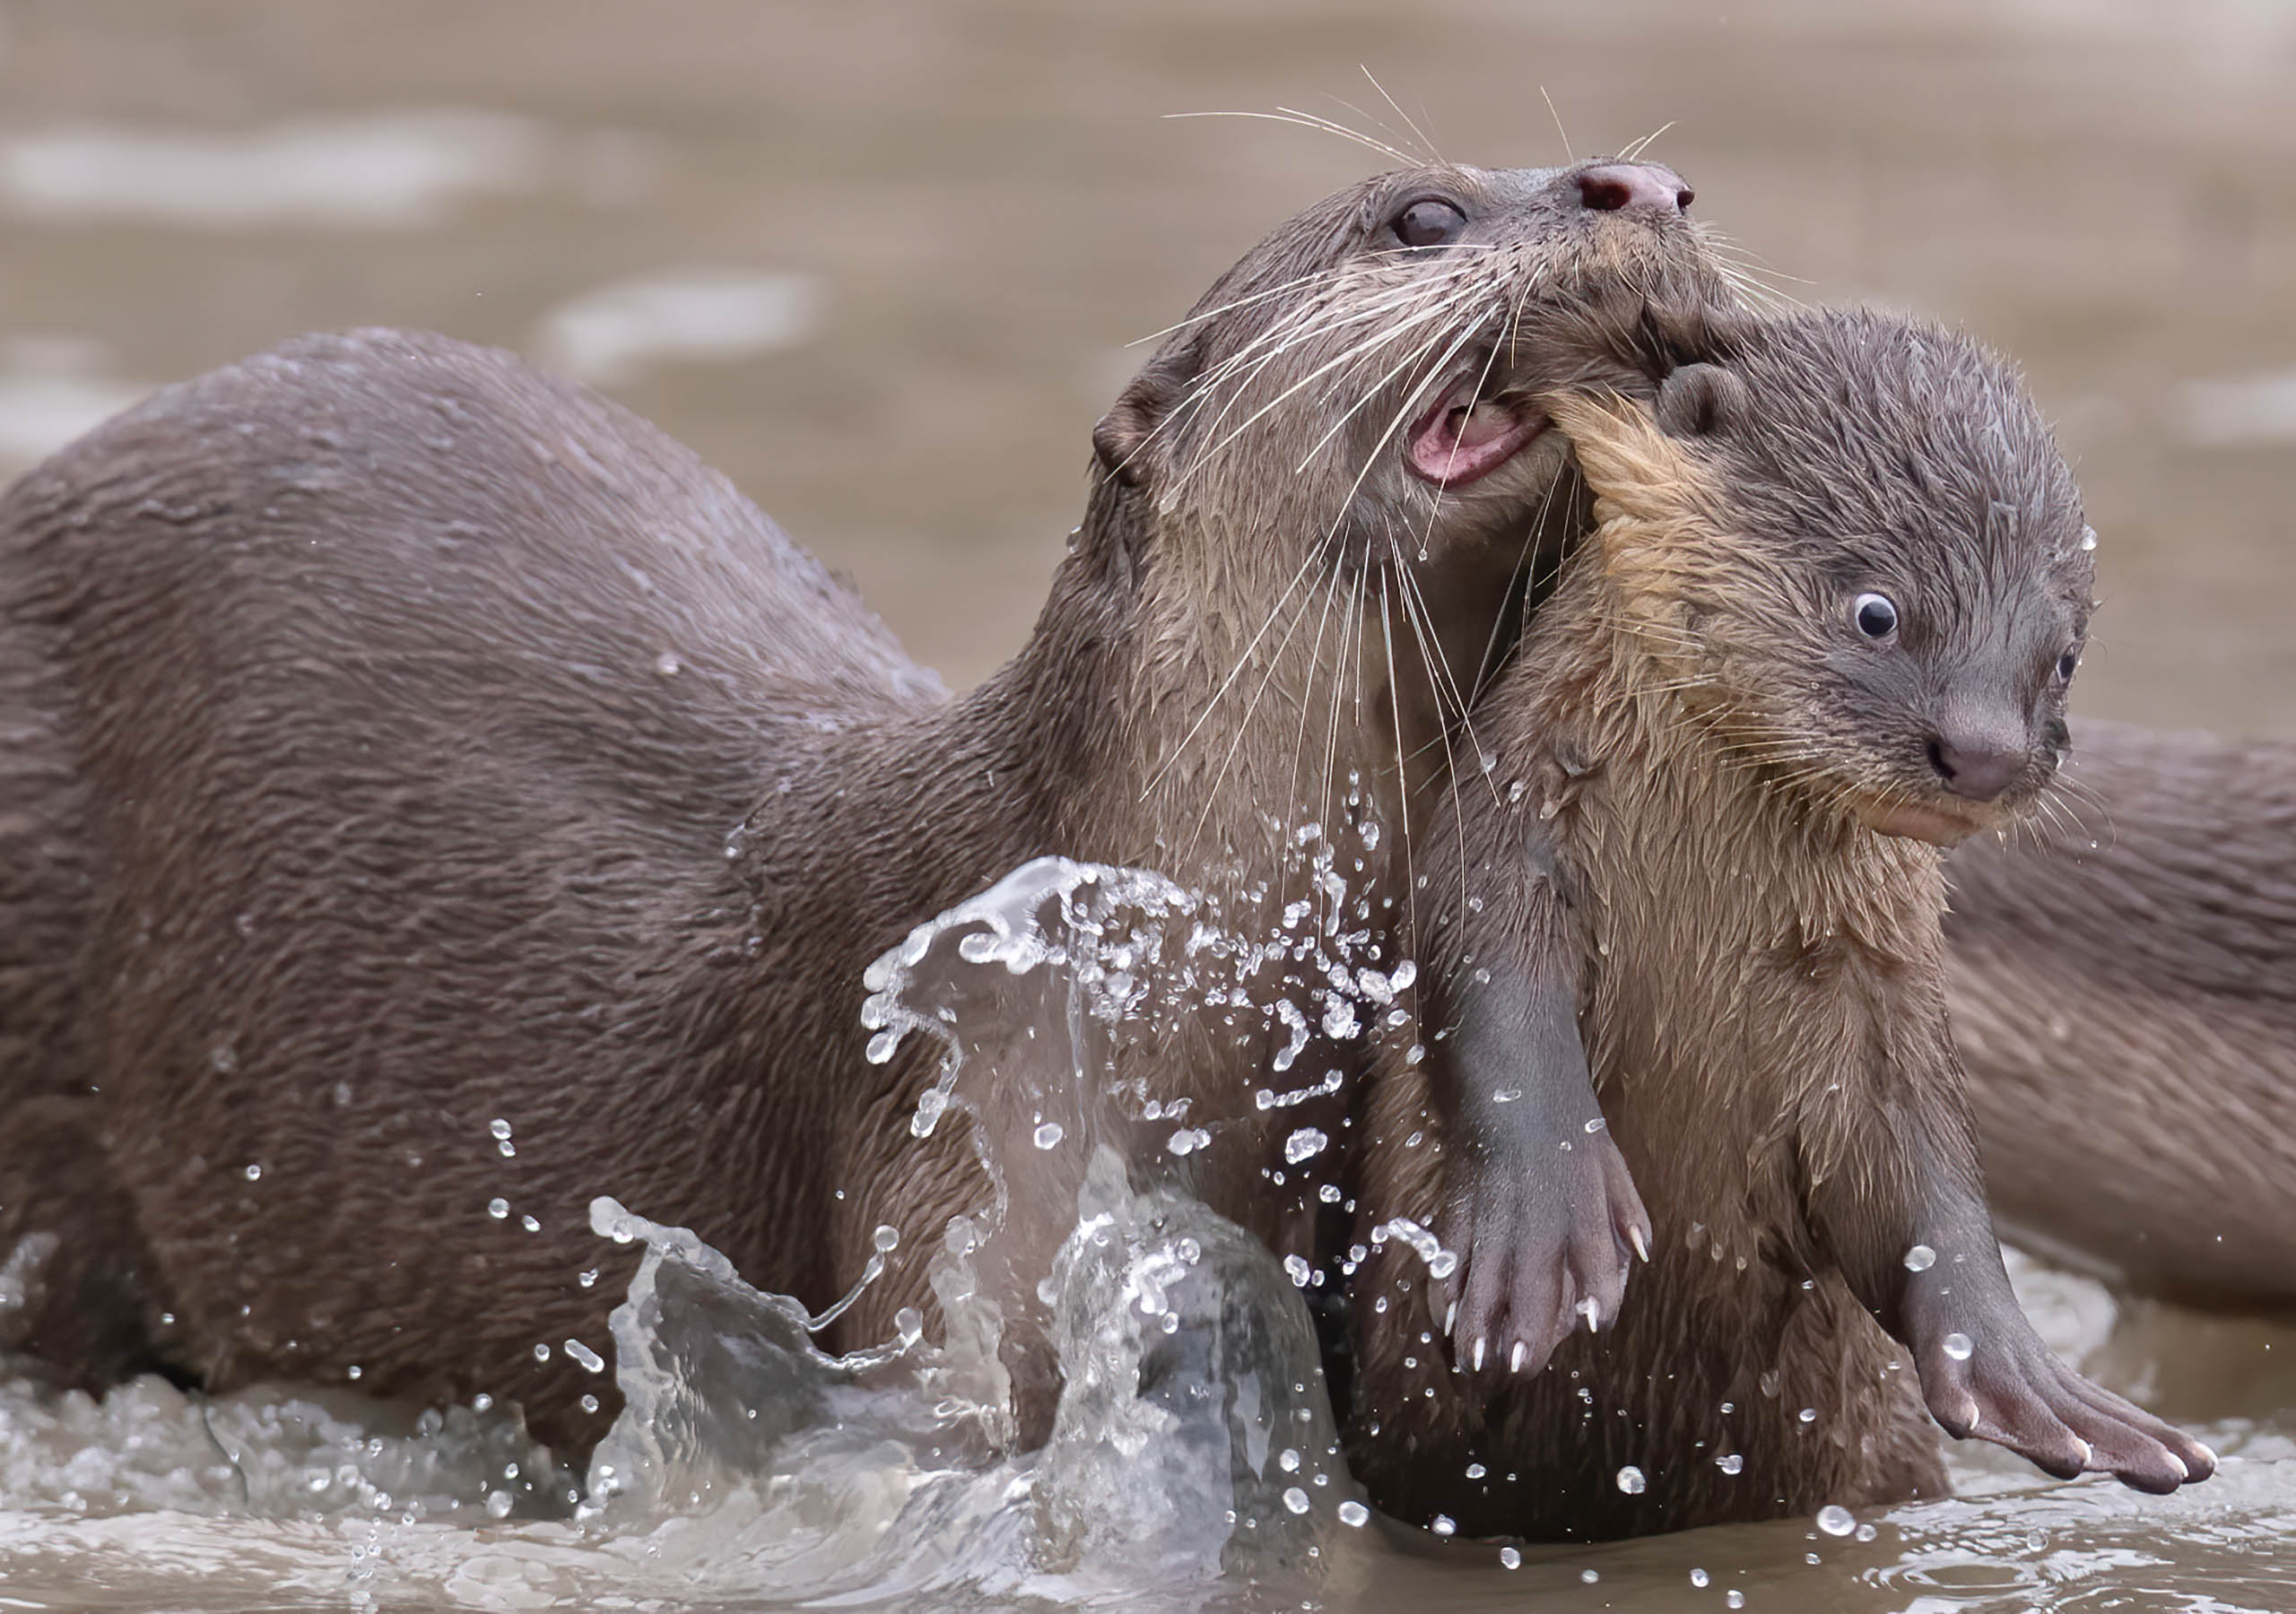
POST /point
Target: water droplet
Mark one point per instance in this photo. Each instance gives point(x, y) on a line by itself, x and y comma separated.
point(1867, 1533)
point(1303, 1145)
point(1589, 1575)
point(1836, 1520)
point(1698, 1577)
point(1296, 1499)
point(498, 1209)
point(588, 1279)
point(590, 1359)
point(2088, 538)
point(1733, 1599)
point(1402, 974)
point(1188, 1140)
point(666, 664)
point(1354, 1515)
point(1730, 1463)
point(1049, 1135)
point(255, 1173)
point(1288, 1461)
point(589, 1404)
point(1443, 1525)
point(353, 1371)
point(1328, 1194)
point(1958, 1346)
point(1596, 1125)
point(1509, 1558)
point(1921, 1258)
point(909, 1326)
point(482, 1402)
point(541, 1353)
point(530, 1224)
point(1298, 1271)
point(1631, 1481)
point(2035, 1541)
point(498, 1505)
point(1807, 1415)
point(499, 1128)
point(1475, 1471)
point(886, 1239)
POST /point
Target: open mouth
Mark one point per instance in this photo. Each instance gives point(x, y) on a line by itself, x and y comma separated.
point(1913, 821)
point(1464, 439)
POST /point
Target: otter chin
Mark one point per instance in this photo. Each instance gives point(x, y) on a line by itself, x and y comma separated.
point(1916, 821)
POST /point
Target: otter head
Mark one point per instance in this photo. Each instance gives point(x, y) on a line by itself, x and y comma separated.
point(1328, 473)
point(1853, 546)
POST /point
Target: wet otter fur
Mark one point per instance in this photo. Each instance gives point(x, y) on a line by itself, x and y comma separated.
point(2122, 979)
point(404, 742)
point(1727, 749)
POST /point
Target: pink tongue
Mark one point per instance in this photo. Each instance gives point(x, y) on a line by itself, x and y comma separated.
point(1485, 437)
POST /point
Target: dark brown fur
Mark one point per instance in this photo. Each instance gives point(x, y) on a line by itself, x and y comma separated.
point(2123, 987)
point(382, 715)
point(1704, 737)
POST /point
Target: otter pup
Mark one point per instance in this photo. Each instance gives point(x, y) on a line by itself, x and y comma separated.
point(434, 798)
point(1825, 625)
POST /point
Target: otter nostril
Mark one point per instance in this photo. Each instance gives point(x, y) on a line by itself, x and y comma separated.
point(1639, 188)
point(1603, 194)
point(1977, 772)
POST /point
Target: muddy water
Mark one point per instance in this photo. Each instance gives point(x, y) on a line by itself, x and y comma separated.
point(881, 262)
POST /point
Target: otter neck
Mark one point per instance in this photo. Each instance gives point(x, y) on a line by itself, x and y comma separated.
point(1756, 867)
point(1207, 690)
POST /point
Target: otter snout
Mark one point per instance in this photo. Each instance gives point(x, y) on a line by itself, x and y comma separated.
point(1642, 188)
point(1978, 768)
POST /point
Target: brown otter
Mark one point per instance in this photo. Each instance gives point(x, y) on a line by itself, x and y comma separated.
point(435, 799)
point(1839, 588)
point(2130, 965)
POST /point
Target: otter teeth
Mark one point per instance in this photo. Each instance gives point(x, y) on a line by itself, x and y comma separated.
point(1478, 1353)
point(1515, 1360)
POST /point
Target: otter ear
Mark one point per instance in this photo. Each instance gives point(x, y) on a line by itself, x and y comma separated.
point(1699, 400)
point(1134, 438)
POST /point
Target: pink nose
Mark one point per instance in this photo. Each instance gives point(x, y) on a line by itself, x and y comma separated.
point(1976, 770)
point(1641, 187)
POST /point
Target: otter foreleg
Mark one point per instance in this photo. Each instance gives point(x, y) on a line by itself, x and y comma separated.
point(1916, 1243)
point(1539, 1208)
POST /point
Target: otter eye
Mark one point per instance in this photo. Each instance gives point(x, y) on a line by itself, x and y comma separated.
point(1877, 617)
point(2067, 663)
point(1429, 222)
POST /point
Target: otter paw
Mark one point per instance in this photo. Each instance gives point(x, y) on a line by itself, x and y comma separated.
point(2016, 1393)
point(1543, 1246)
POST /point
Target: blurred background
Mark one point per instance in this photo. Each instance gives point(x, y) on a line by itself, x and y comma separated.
point(880, 263)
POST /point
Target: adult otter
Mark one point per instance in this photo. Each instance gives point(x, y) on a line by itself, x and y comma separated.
point(381, 710)
point(2131, 961)
point(1839, 587)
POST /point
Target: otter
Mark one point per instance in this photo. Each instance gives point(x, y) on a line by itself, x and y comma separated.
point(1825, 627)
point(2129, 960)
point(434, 798)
